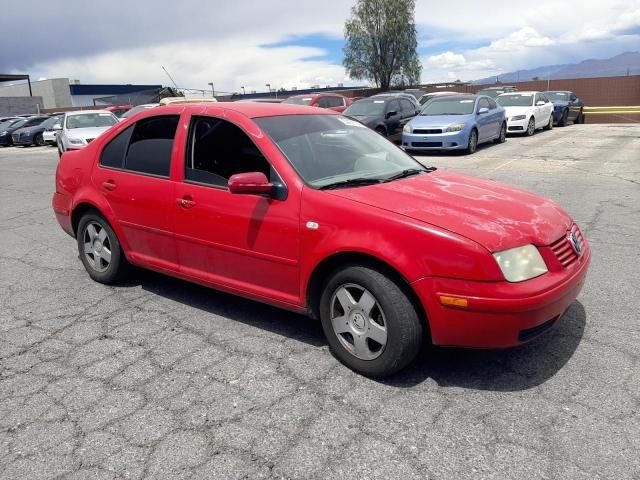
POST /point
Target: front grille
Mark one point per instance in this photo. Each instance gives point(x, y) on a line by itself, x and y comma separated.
point(530, 333)
point(563, 249)
point(427, 131)
point(89, 140)
point(15, 137)
point(426, 144)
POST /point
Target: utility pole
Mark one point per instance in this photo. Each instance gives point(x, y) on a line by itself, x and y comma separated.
point(243, 91)
point(268, 85)
point(213, 92)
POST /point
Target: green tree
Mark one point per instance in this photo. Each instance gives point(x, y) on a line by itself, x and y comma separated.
point(381, 43)
point(535, 79)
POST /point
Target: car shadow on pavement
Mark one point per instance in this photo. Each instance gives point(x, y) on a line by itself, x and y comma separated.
point(503, 370)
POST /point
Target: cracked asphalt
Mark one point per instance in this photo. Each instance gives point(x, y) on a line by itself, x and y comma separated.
point(158, 378)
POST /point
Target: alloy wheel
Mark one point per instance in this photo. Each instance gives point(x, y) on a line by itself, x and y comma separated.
point(97, 247)
point(531, 127)
point(358, 321)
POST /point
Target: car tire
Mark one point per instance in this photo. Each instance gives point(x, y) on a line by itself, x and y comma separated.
point(531, 127)
point(472, 144)
point(502, 136)
point(564, 118)
point(580, 118)
point(100, 250)
point(378, 334)
point(381, 131)
point(38, 140)
point(549, 125)
point(60, 152)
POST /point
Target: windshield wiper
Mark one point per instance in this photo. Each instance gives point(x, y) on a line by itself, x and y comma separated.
point(352, 182)
point(409, 172)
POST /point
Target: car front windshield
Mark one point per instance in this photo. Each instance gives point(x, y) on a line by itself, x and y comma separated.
point(299, 100)
point(10, 123)
point(448, 106)
point(489, 92)
point(50, 122)
point(562, 96)
point(90, 120)
point(366, 108)
point(516, 100)
point(332, 150)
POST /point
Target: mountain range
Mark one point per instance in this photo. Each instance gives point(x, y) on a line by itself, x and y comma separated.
point(627, 63)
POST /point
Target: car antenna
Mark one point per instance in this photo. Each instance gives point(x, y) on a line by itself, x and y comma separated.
point(170, 77)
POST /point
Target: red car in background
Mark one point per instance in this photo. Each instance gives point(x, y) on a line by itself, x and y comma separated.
point(311, 211)
point(332, 101)
point(118, 110)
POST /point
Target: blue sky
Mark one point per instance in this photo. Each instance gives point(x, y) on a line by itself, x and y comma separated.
point(299, 43)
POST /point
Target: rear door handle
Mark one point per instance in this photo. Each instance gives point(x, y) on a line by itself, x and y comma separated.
point(109, 185)
point(186, 202)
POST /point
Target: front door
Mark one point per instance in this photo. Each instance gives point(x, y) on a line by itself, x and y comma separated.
point(245, 243)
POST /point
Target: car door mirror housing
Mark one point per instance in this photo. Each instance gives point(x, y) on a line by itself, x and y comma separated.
point(252, 183)
point(391, 114)
point(540, 103)
point(483, 110)
point(57, 126)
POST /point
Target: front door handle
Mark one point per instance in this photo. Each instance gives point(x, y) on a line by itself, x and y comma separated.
point(186, 202)
point(109, 185)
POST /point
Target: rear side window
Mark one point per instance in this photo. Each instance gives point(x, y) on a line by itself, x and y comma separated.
point(335, 102)
point(113, 154)
point(323, 102)
point(151, 145)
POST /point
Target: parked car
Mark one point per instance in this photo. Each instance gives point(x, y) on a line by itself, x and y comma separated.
point(527, 111)
point(566, 107)
point(6, 138)
point(408, 96)
point(493, 92)
point(34, 134)
point(172, 100)
point(416, 93)
point(50, 134)
point(137, 109)
point(312, 212)
point(6, 119)
point(118, 110)
point(81, 127)
point(428, 96)
point(456, 122)
point(386, 114)
point(332, 101)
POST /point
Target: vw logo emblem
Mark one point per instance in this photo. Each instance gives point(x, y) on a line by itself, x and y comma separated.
point(575, 243)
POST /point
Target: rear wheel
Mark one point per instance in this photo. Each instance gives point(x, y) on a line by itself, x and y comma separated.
point(100, 250)
point(502, 136)
point(370, 323)
point(531, 127)
point(473, 142)
point(580, 117)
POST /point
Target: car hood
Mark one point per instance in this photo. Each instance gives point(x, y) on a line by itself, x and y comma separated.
point(496, 216)
point(85, 133)
point(32, 130)
point(510, 111)
point(438, 120)
point(560, 103)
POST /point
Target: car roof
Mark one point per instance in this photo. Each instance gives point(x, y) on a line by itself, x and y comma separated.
point(248, 109)
point(459, 97)
point(82, 112)
point(498, 88)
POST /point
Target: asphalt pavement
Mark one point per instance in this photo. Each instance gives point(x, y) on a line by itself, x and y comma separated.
point(159, 378)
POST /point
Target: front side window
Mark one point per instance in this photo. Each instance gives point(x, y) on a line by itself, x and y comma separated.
point(366, 108)
point(515, 100)
point(329, 151)
point(219, 149)
point(323, 102)
point(492, 104)
point(299, 100)
point(483, 103)
point(334, 102)
point(151, 145)
point(90, 120)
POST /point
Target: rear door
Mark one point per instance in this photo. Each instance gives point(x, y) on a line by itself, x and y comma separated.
point(133, 175)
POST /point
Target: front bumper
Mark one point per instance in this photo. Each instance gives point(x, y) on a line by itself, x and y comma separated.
point(49, 137)
point(557, 115)
point(439, 141)
point(500, 314)
point(22, 139)
point(517, 126)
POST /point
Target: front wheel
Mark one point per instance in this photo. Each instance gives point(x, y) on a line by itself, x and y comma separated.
point(531, 127)
point(100, 250)
point(502, 136)
point(564, 119)
point(39, 141)
point(473, 142)
point(370, 323)
point(580, 118)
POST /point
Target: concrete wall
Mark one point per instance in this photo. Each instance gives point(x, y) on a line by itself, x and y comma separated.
point(19, 105)
point(54, 92)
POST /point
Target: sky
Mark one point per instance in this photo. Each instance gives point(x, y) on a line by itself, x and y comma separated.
point(295, 43)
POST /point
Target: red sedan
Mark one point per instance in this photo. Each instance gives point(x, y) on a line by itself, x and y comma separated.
point(332, 101)
point(313, 212)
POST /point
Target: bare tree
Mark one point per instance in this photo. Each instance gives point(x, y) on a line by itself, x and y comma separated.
point(381, 43)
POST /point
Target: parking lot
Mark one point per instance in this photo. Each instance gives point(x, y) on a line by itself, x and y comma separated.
point(159, 378)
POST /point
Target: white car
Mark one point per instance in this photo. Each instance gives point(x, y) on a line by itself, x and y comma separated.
point(526, 111)
point(50, 134)
point(79, 128)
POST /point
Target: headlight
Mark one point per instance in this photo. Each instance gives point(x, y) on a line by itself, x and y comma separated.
point(406, 128)
point(520, 263)
point(455, 128)
point(519, 117)
point(75, 141)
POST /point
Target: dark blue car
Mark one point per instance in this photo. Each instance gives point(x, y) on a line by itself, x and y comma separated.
point(6, 133)
point(567, 107)
point(32, 134)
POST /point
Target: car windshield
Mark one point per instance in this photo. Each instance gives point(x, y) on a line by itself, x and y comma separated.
point(366, 108)
point(299, 100)
point(10, 123)
point(516, 100)
point(89, 120)
point(331, 151)
point(50, 122)
point(448, 106)
point(557, 95)
point(33, 121)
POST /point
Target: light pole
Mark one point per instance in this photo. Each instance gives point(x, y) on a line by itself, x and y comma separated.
point(243, 91)
point(213, 92)
point(268, 85)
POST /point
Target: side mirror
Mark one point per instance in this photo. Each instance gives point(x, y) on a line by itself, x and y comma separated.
point(483, 110)
point(540, 103)
point(391, 114)
point(57, 126)
point(255, 183)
